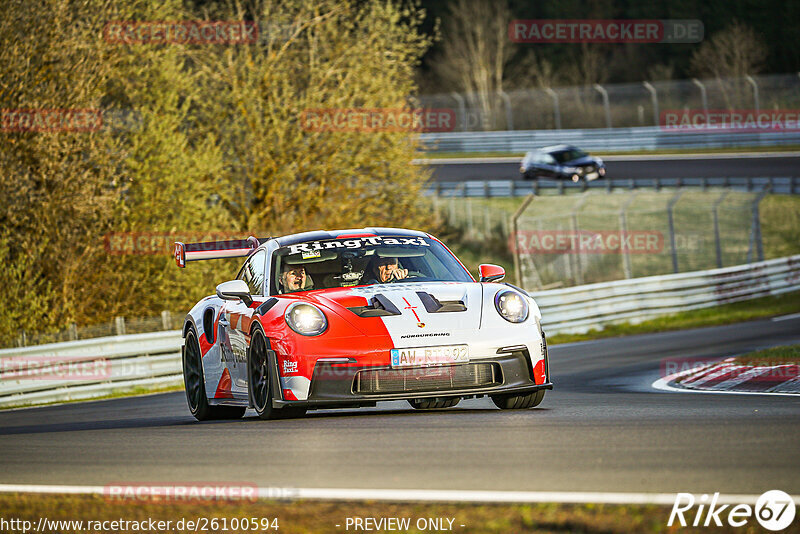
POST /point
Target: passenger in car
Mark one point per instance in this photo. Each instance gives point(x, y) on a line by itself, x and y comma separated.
point(384, 270)
point(293, 278)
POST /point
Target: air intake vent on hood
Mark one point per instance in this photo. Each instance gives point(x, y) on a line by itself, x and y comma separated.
point(379, 306)
point(433, 305)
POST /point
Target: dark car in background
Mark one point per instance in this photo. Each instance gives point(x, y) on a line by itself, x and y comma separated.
point(561, 162)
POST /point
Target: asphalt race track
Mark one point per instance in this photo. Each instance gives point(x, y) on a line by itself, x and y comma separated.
point(626, 167)
point(602, 429)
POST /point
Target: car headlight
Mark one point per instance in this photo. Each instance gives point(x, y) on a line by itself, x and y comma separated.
point(305, 319)
point(511, 306)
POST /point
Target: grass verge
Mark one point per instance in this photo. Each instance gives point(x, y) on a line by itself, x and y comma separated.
point(773, 356)
point(322, 517)
point(719, 315)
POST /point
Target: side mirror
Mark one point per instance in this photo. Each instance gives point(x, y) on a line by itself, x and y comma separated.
point(235, 289)
point(491, 273)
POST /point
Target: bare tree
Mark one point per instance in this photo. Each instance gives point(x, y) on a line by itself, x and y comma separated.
point(589, 67)
point(729, 56)
point(475, 51)
point(660, 72)
point(733, 52)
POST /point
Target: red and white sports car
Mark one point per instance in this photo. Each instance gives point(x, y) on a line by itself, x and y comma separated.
point(352, 317)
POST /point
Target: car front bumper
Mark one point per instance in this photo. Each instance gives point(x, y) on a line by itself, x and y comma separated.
point(509, 372)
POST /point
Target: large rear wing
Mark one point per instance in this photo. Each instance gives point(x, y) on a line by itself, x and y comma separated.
point(215, 250)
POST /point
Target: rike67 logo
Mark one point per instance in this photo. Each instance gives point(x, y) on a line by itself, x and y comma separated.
point(774, 510)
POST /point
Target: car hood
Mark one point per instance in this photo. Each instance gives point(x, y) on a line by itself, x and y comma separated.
point(414, 304)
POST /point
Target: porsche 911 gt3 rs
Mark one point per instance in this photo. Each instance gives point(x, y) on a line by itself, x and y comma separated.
point(318, 320)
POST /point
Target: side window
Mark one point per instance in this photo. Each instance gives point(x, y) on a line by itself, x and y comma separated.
point(253, 272)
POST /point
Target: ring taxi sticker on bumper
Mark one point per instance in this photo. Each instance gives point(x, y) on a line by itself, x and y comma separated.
point(427, 356)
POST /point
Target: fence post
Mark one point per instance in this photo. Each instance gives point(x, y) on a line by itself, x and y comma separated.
point(752, 82)
point(166, 320)
point(119, 325)
point(703, 96)
point(486, 189)
point(600, 89)
point(462, 110)
point(487, 230)
point(73, 331)
point(514, 242)
point(755, 230)
point(509, 113)
point(654, 99)
point(671, 222)
point(470, 228)
point(717, 242)
point(575, 233)
point(556, 109)
point(511, 186)
point(623, 224)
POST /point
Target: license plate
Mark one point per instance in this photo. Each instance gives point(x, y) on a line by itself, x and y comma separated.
point(428, 356)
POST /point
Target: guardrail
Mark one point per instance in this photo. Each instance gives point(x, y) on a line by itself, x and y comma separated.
point(96, 367)
point(789, 185)
point(582, 308)
point(85, 369)
point(602, 139)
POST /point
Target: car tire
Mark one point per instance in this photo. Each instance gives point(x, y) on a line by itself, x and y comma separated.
point(434, 404)
point(195, 385)
point(259, 386)
point(519, 402)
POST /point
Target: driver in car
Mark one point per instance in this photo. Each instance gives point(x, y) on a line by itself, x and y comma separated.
point(386, 270)
point(292, 278)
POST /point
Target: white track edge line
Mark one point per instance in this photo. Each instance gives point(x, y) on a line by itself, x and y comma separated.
point(786, 317)
point(662, 384)
point(476, 496)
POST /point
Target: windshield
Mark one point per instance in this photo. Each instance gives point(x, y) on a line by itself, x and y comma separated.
point(362, 261)
point(568, 155)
